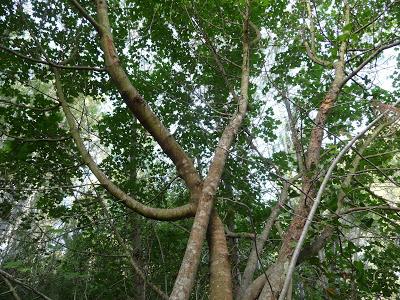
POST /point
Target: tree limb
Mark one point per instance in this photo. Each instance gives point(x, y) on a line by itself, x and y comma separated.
point(51, 64)
point(141, 110)
point(24, 285)
point(187, 272)
point(369, 58)
point(150, 212)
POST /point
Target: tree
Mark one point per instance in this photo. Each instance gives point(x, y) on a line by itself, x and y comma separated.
point(188, 83)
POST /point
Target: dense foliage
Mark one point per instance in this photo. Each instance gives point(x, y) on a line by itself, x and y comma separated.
point(328, 67)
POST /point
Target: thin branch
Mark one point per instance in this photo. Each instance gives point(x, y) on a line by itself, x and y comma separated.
point(295, 138)
point(11, 287)
point(311, 51)
point(51, 64)
point(369, 208)
point(258, 34)
point(87, 16)
point(369, 58)
point(24, 285)
point(374, 19)
point(28, 139)
point(135, 265)
point(214, 53)
point(30, 107)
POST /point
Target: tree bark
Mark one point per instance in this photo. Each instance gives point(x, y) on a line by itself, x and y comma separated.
point(220, 268)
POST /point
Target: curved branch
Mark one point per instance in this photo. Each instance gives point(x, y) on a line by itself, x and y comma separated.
point(311, 51)
point(149, 212)
point(369, 208)
point(141, 110)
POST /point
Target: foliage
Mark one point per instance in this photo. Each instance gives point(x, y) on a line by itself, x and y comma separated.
point(59, 237)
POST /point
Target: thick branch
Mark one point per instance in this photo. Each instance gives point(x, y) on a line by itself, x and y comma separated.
point(141, 109)
point(220, 268)
point(86, 15)
point(317, 200)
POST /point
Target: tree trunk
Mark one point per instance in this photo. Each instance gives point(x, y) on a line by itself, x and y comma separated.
point(220, 268)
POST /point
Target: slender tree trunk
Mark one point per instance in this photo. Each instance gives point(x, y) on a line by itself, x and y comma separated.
point(309, 185)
